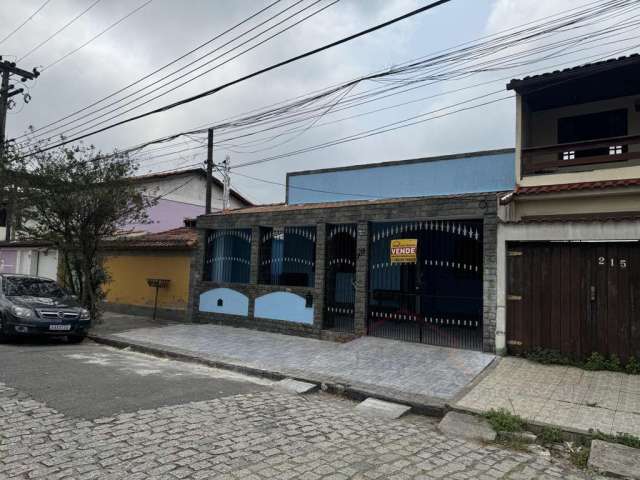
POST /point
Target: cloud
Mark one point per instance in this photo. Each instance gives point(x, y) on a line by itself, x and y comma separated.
point(165, 29)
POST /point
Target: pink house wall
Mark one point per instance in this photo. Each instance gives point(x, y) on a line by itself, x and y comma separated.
point(168, 214)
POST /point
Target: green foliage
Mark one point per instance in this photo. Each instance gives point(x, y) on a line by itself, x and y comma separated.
point(550, 435)
point(580, 457)
point(595, 361)
point(502, 420)
point(76, 198)
point(633, 366)
point(548, 357)
point(621, 438)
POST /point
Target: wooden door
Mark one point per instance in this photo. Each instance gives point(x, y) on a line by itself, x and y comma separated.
point(576, 298)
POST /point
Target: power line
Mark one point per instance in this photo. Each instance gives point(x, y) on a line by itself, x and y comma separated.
point(87, 128)
point(59, 30)
point(8, 36)
point(251, 75)
point(306, 188)
point(95, 37)
point(176, 60)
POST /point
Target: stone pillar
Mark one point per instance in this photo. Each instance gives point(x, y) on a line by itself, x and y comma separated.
point(196, 276)
point(318, 300)
point(362, 271)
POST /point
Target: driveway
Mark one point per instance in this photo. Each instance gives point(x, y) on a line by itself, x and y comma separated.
point(400, 370)
point(567, 397)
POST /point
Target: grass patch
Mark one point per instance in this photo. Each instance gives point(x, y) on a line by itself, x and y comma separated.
point(595, 361)
point(502, 420)
point(550, 435)
point(621, 438)
point(580, 456)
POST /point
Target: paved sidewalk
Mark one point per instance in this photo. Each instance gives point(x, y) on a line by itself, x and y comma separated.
point(417, 374)
point(567, 397)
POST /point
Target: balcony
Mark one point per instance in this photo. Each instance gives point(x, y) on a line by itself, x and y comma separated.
point(565, 156)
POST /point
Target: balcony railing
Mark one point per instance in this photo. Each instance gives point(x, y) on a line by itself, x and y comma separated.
point(553, 158)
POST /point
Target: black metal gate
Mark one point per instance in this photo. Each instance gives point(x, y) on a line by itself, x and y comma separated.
point(438, 298)
point(340, 277)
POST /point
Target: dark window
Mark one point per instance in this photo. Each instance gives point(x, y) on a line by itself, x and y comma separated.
point(3, 217)
point(593, 126)
point(228, 255)
point(288, 256)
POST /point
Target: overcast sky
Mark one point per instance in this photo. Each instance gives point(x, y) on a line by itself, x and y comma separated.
point(166, 29)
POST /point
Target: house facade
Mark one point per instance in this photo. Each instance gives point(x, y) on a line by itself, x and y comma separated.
point(180, 195)
point(568, 250)
point(410, 255)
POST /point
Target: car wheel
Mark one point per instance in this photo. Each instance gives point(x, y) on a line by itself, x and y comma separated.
point(76, 338)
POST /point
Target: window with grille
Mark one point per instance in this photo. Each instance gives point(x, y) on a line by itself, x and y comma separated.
point(287, 256)
point(228, 255)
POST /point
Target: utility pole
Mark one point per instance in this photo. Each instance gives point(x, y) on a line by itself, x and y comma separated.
point(207, 208)
point(226, 182)
point(7, 91)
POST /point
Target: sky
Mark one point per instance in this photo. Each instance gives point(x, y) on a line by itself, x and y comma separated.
point(163, 30)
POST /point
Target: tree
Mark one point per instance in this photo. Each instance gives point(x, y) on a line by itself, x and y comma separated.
point(77, 198)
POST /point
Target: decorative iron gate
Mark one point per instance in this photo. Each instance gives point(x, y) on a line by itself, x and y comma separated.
point(340, 277)
point(436, 299)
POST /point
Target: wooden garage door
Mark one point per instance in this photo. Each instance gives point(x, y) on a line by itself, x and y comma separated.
point(576, 298)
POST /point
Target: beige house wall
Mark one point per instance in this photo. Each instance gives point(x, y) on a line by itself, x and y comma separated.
point(573, 203)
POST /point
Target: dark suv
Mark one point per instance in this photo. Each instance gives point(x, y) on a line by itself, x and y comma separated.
point(39, 306)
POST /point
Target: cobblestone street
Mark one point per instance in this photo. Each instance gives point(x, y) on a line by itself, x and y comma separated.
point(255, 435)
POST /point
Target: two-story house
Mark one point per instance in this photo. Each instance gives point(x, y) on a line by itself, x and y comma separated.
point(568, 251)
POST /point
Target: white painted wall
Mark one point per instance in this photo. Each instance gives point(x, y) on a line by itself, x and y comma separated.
point(189, 188)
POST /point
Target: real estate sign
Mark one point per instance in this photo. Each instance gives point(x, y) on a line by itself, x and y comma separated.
point(404, 250)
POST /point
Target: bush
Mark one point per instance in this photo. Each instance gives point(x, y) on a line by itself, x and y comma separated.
point(595, 361)
point(550, 435)
point(548, 357)
point(502, 420)
point(633, 366)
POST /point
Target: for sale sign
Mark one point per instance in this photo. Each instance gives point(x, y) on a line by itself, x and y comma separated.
point(404, 250)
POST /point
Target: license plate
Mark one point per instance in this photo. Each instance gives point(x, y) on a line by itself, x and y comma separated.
point(60, 327)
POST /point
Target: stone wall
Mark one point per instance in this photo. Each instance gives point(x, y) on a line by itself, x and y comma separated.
point(458, 207)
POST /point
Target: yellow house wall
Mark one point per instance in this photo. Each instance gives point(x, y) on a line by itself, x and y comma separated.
point(129, 273)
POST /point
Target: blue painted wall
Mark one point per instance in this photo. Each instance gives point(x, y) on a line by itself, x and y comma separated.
point(472, 174)
point(283, 306)
point(233, 302)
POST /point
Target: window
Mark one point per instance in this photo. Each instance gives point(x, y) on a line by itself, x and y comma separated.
point(593, 126)
point(288, 256)
point(3, 217)
point(228, 256)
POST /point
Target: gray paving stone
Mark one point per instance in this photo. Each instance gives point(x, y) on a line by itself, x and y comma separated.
point(295, 386)
point(466, 426)
point(410, 368)
point(379, 408)
point(615, 459)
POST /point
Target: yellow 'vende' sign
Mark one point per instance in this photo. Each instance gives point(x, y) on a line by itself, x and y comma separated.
point(404, 250)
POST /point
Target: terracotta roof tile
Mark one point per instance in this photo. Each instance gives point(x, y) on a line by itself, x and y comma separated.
point(583, 69)
point(177, 238)
point(578, 186)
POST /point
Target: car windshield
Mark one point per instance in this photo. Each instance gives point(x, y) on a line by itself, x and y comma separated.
point(32, 287)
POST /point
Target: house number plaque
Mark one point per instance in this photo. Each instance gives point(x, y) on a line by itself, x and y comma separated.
point(622, 262)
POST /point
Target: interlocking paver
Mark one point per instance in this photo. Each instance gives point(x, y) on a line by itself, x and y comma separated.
point(268, 434)
point(411, 369)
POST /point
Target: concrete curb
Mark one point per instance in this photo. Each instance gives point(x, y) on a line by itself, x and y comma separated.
point(432, 407)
